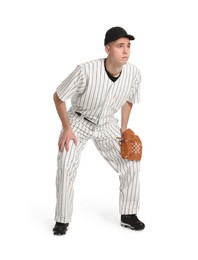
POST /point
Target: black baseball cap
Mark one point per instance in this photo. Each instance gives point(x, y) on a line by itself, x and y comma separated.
point(115, 33)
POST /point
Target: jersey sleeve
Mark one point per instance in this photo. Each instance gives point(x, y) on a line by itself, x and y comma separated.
point(74, 84)
point(134, 96)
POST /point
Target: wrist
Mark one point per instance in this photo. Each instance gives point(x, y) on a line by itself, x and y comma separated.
point(123, 128)
point(66, 127)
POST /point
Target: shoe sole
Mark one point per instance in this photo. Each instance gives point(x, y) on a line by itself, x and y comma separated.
point(56, 233)
point(128, 226)
point(59, 234)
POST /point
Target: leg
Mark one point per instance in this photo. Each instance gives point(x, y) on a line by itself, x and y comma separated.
point(68, 163)
point(106, 143)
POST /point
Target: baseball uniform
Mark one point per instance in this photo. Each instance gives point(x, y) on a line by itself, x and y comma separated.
point(95, 99)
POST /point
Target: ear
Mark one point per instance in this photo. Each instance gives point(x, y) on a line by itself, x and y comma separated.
point(107, 49)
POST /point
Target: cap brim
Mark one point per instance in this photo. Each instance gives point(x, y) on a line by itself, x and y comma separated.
point(130, 37)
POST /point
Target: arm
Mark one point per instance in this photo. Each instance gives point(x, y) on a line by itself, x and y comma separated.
point(67, 133)
point(125, 113)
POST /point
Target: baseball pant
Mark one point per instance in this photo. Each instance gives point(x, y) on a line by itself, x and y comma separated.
point(104, 138)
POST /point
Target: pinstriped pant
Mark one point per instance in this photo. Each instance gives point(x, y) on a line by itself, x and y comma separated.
point(104, 137)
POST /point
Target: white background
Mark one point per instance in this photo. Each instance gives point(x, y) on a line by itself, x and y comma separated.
point(41, 43)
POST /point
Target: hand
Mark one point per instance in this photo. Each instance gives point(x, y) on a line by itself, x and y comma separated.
point(65, 138)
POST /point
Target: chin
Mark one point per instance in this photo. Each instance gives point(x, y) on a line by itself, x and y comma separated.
point(124, 62)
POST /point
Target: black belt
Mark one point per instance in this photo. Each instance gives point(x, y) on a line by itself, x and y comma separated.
point(79, 114)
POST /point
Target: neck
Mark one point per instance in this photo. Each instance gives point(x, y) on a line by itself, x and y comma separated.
point(112, 68)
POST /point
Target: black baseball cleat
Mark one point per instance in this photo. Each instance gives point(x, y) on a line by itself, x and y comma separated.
point(60, 228)
point(131, 221)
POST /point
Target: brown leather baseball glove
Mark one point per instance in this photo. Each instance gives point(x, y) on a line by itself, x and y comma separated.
point(131, 146)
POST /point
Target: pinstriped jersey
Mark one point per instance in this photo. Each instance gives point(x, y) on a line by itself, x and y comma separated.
point(95, 95)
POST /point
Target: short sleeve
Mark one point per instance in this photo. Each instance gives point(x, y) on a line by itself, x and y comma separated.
point(72, 85)
point(134, 96)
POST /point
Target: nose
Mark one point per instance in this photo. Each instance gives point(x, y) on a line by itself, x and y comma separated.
point(125, 49)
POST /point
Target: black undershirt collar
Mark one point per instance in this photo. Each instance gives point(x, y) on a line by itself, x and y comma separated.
point(109, 75)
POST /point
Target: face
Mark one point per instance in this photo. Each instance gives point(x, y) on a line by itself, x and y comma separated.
point(119, 51)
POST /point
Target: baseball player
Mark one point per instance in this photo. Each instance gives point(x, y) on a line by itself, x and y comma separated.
point(98, 89)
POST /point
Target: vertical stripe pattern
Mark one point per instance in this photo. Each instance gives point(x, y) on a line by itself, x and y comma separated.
point(97, 98)
point(104, 137)
point(94, 95)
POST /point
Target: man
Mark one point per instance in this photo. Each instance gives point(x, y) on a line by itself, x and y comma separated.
point(98, 89)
